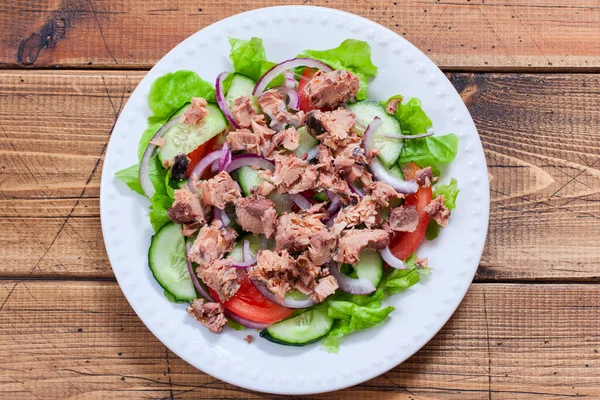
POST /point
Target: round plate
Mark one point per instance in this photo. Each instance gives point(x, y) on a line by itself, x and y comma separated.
point(420, 311)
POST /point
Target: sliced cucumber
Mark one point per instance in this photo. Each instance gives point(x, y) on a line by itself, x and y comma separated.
point(370, 266)
point(397, 171)
point(242, 86)
point(306, 143)
point(390, 149)
point(304, 329)
point(166, 258)
point(248, 178)
point(255, 245)
point(184, 138)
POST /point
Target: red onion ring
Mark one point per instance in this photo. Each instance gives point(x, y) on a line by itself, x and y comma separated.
point(147, 185)
point(350, 285)
point(300, 201)
point(201, 167)
point(287, 302)
point(245, 322)
point(271, 74)
point(369, 135)
point(248, 260)
point(214, 167)
point(249, 160)
point(289, 80)
point(390, 259)
point(293, 99)
point(225, 157)
point(335, 203)
point(199, 288)
point(222, 101)
point(356, 190)
point(222, 216)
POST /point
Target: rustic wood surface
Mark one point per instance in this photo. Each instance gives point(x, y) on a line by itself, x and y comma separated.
point(528, 71)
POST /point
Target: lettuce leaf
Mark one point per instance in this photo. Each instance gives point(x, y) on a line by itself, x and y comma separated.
point(168, 94)
point(449, 192)
point(430, 151)
point(249, 57)
point(398, 280)
point(433, 229)
point(159, 204)
point(411, 116)
point(157, 174)
point(131, 177)
point(353, 55)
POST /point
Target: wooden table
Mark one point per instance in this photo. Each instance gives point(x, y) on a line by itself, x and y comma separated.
point(527, 69)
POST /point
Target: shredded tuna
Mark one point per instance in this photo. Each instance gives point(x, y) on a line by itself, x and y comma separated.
point(438, 211)
point(220, 190)
point(245, 140)
point(160, 142)
point(243, 112)
point(264, 188)
point(189, 230)
point(354, 241)
point(180, 166)
point(249, 339)
point(366, 211)
point(392, 105)
point(210, 315)
point(257, 215)
point(404, 219)
point(221, 277)
point(424, 177)
point(294, 231)
point(382, 193)
point(289, 139)
point(186, 208)
point(213, 242)
point(422, 262)
point(196, 111)
point(275, 270)
point(322, 246)
point(330, 89)
point(325, 288)
point(293, 174)
point(334, 127)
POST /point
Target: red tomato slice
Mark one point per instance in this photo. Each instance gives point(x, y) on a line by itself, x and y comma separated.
point(405, 243)
point(250, 304)
point(198, 154)
point(306, 76)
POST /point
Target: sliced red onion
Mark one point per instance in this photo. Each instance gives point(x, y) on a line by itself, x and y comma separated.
point(245, 322)
point(222, 101)
point(222, 216)
point(293, 99)
point(201, 167)
point(246, 250)
point(200, 288)
point(422, 135)
point(249, 160)
point(356, 190)
point(391, 259)
point(271, 74)
point(289, 80)
point(330, 221)
point(287, 302)
point(225, 157)
point(214, 167)
point(350, 285)
point(335, 203)
point(377, 169)
point(312, 153)
point(147, 185)
point(300, 201)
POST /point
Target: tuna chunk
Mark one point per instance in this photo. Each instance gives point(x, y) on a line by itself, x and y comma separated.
point(293, 174)
point(404, 219)
point(273, 104)
point(325, 288)
point(330, 89)
point(322, 246)
point(196, 111)
point(336, 126)
point(365, 212)
point(243, 112)
point(210, 315)
point(424, 177)
point(289, 139)
point(220, 190)
point(275, 270)
point(180, 166)
point(159, 142)
point(213, 242)
point(186, 208)
point(392, 105)
point(294, 231)
point(382, 193)
point(264, 188)
point(438, 211)
point(244, 140)
point(354, 241)
point(257, 215)
point(221, 277)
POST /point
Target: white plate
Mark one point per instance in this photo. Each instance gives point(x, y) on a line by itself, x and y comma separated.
point(420, 311)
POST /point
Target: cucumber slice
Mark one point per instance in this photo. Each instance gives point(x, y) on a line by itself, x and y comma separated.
point(248, 178)
point(396, 170)
point(370, 267)
point(242, 86)
point(166, 258)
point(390, 149)
point(306, 142)
point(237, 251)
point(184, 138)
point(304, 329)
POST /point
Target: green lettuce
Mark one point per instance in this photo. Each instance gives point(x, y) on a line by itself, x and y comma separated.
point(398, 280)
point(168, 94)
point(449, 192)
point(352, 55)
point(411, 116)
point(159, 204)
point(157, 174)
point(249, 57)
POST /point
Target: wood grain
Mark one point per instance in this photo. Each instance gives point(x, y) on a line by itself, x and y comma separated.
point(540, 133)
point(63, 340)
point(522, 34)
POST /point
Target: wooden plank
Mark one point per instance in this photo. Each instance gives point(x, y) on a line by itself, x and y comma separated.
point(82, 340)
point(454, 33)
point(540, 133)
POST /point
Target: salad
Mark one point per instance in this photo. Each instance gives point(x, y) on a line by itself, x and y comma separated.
point(285, 200)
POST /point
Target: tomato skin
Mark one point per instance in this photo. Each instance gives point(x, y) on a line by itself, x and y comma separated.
point(304, 103)
point(198, 154)
point(250, 304)
point(405, 243)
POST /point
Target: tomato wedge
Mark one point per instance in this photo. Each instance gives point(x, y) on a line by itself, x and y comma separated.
point(198, 154)
point(250, 304)
point(304, 103)
point(405, 243)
